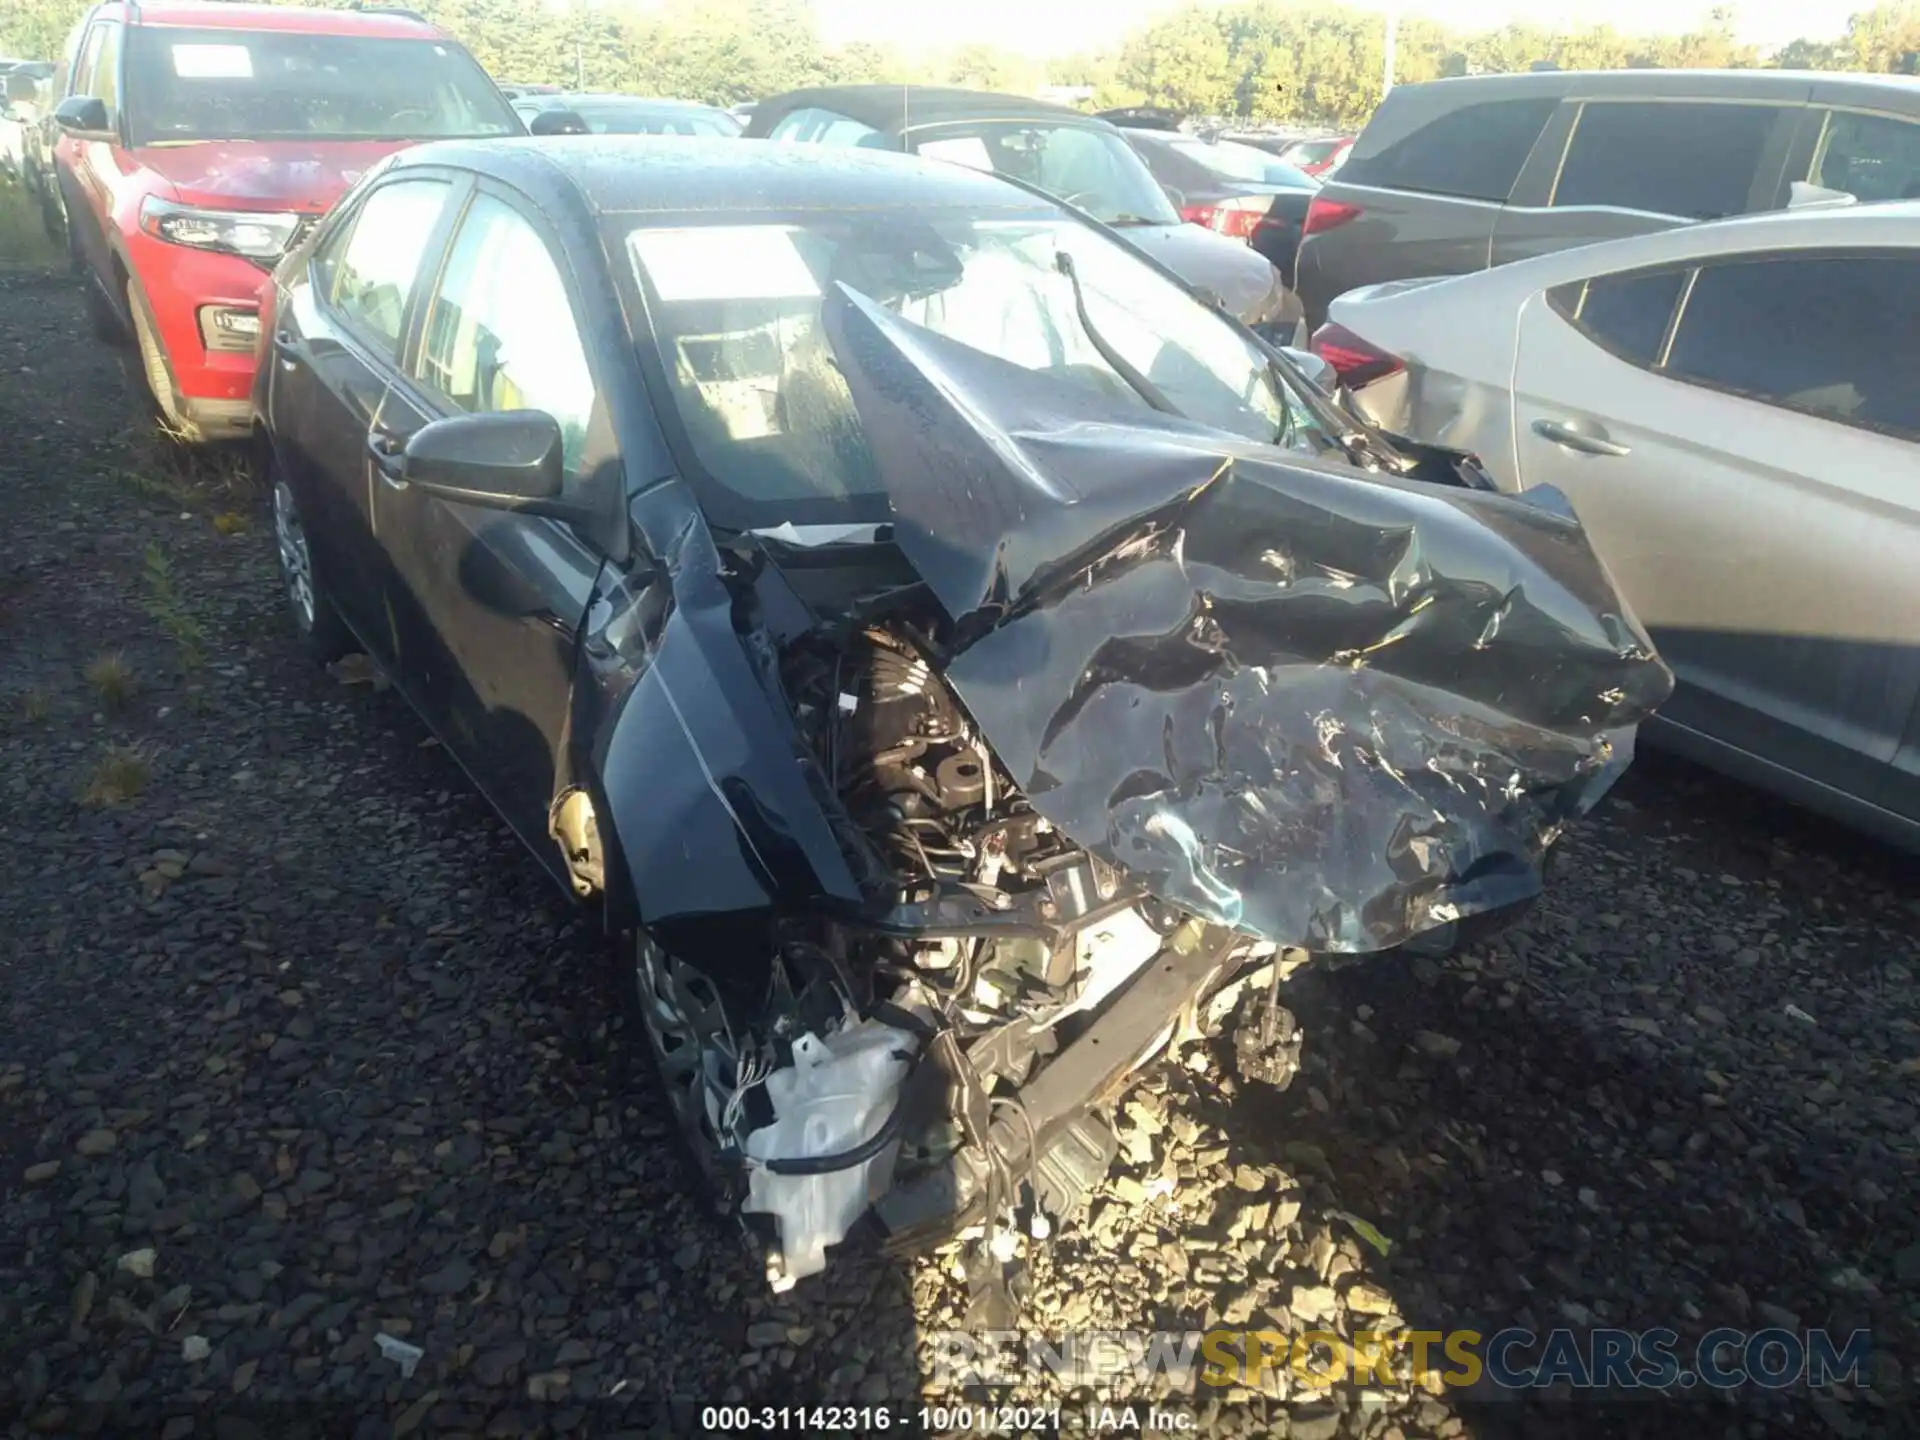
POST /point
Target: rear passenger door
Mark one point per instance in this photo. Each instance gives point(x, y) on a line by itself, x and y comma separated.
point(333, 396)
point(1743, 445)
point(1631, 166)
point(1420, 202)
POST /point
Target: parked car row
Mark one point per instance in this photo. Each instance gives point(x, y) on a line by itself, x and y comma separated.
point(173, 225)
point(883, 568)
point(1082, 159)
point(25, 86)
point(1731, 404)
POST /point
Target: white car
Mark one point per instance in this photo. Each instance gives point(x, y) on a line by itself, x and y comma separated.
point(1733, 409)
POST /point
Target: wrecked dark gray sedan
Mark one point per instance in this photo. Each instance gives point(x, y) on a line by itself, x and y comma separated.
point(944, 651)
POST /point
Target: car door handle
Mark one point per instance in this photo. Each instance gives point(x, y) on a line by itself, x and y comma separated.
point(388, 453)
point(1587, 442)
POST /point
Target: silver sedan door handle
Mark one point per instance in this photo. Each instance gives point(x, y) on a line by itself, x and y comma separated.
point(1588, 441)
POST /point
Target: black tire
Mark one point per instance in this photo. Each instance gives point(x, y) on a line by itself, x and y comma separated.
point(323, 634)
point(52, 220)
point(101, 319)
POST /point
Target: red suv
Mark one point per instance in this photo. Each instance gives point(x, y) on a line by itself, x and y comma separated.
point(197, 142)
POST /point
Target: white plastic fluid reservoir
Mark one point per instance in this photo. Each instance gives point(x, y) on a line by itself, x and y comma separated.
point(837, 1093)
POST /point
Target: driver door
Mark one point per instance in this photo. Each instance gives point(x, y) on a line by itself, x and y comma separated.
point(491, 601)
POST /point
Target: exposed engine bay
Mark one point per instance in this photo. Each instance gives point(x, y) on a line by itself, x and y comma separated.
point(897, 1049)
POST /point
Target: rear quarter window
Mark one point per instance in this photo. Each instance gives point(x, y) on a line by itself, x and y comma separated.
point(1627, 315)
point(1474, 152)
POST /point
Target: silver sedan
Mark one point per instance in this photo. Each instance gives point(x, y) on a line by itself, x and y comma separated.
point(1734, 411)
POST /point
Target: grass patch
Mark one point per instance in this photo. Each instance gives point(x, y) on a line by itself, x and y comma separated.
point(174, 493)
point(196, 479)
point(112, 680)
point(34, 705)
point(119, 775)
point(169, 611)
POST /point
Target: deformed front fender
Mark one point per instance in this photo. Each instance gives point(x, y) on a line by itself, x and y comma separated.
point(711, 805)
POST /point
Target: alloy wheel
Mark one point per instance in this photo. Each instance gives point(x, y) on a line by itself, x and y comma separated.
point(690, 1034)
point(296, 561)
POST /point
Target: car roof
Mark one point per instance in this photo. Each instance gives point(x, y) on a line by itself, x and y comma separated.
point(895, 108)
point(609, 97)
point(1890, 224)
point(652, 174)
point(1705, 83)
point(203, 14)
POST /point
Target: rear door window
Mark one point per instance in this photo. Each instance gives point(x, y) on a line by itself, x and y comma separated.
point(1836, 336)
point(1693, 161)
point(1475, 152)
point(1871, 157)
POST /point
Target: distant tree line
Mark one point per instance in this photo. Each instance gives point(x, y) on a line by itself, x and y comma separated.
point(1253, 59)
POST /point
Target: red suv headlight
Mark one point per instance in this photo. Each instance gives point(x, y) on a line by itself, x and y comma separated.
point(256, 234)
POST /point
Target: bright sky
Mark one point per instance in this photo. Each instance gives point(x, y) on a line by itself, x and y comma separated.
point(1055, 27)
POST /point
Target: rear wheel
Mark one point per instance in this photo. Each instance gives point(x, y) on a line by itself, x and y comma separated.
point(53, 209)
point(318, 624)
point(101, 319)
point(159, 377)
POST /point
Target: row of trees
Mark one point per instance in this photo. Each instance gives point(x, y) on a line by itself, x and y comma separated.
point(1263, 60)
point(1313, 61)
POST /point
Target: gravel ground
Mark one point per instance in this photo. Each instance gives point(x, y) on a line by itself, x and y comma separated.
point(300, 1049)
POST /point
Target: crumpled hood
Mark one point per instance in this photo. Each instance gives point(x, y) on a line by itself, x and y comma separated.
point(1331, 709)
point(267, 174)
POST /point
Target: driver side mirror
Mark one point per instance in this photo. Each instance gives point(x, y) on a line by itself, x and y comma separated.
point(557, 122)
point(507, 460)
point(84, 116)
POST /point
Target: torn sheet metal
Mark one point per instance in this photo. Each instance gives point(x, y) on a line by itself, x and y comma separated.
point(1329, 708)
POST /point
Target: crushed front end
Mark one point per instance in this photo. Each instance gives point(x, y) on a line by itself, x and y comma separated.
point(1128, 710)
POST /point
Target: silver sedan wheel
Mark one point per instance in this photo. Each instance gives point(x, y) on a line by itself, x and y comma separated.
point(296, 562)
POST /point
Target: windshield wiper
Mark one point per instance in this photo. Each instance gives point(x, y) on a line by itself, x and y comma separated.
point(1146, 389)
point(1134, 220)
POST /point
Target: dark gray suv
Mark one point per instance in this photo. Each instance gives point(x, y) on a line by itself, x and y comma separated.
point(1458, 175)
